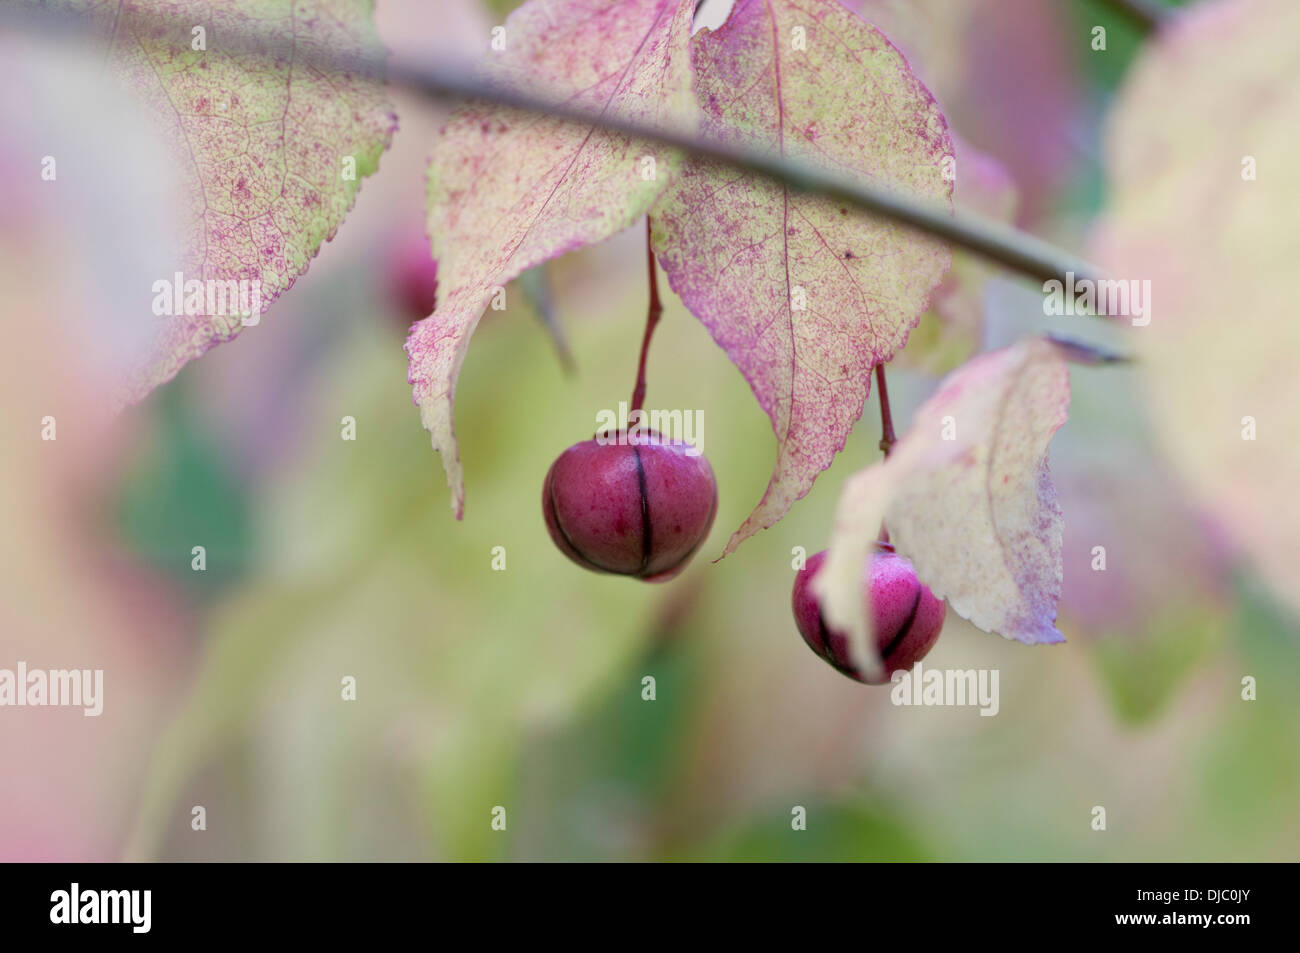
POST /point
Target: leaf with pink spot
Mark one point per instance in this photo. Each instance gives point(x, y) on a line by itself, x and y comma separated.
point(804, 295)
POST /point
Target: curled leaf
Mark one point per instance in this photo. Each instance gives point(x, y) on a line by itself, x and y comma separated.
point(967, 496)
point(804, 295)
point(509, 190)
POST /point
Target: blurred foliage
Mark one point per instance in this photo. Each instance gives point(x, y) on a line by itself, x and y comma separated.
point(599, 780)
point(524, 688)
point(502, 8)
point(1251, 769)
point(1142, 674)
point(853, 832)
point(179, 494)
point(1104, 71)
point(363, 553)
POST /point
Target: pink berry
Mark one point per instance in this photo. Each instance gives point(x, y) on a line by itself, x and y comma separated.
point(906, 616)
point(412, 274)
point(637, 509)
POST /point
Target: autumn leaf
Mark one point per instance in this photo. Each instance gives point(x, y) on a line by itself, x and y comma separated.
point(1203, 200)
point(509, 190)
point(804, 295)
point(275, 112)
point(967, 496)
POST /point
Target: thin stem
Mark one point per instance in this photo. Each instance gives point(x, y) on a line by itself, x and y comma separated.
point(887, 438)
point(651, 321)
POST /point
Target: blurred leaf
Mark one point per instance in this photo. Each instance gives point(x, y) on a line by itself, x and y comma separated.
point(1125, 37)
point(1143, 670)
point(1251, 769)
point(1006, 74)
point(180, 493)
point(1201, 211)
point(261, 192)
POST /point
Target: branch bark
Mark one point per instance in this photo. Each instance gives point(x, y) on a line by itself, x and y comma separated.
point(1002, 244)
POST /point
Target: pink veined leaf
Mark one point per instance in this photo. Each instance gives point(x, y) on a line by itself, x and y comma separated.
point(1202, 208)
point(967, 496)
point(509, 190)
point(274, 122)
point(804, 295)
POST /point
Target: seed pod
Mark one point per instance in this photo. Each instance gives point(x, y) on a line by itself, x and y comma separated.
point(633, 504)
point(905, 615)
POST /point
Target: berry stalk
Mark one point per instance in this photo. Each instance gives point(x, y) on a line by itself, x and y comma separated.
point(887, 438)
point(652, 319)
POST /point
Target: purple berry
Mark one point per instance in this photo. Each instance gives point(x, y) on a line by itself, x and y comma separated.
point(637, 509)
point(412, 274)
point(906, 616)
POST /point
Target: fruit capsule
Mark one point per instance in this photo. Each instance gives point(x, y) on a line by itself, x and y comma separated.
point(630, 503)
point(905, 615)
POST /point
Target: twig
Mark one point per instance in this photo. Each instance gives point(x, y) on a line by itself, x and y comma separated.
point(1000, 243)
